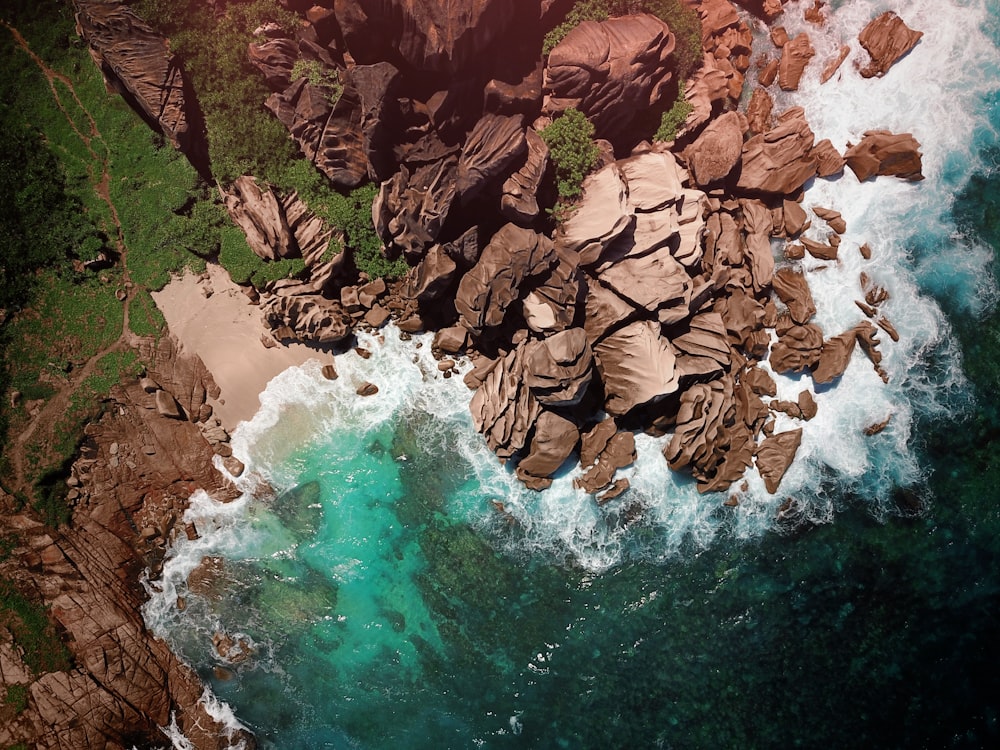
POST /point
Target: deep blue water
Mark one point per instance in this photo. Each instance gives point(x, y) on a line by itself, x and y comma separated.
point(389, 605)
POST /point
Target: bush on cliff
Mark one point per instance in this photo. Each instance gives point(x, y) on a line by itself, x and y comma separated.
point(674, 117)
point(570, 139)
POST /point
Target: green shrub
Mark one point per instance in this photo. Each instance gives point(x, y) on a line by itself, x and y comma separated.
point(16, 698)
point(584, 10)
point(350, 213)
point(674, 117)
point(570, 139)
point(246, 267)
point(320, 76)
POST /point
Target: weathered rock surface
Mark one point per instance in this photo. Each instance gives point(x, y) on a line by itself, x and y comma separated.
point(637, 366)
point(886, 38)
point(558, 369)
point(775, 455)
point(795, 56)
point(137, 60)
point(716, 151)
point(132, 481)
point(780, 160)
point(881, 152)
point(494, 144)
point(554, 440)
point(610, 70)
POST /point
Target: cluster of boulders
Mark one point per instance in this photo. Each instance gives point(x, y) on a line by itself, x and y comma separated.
point(656, 302)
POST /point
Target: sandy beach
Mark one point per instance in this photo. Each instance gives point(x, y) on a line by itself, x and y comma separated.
point(226, 331)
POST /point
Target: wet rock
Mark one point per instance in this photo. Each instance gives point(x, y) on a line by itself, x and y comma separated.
point(793, 290)
point(367, 389)
point(886, 38)
point(553, 442)
point(781, 160)
point(795, 56)
point(881, 152)
point(775, 454)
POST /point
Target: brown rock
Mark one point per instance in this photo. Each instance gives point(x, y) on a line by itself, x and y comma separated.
point(503, 408)
point(559, 368)
point(834, 65)
point(794, 57)
point(829, 162)
point(167, 405)
point(883, 153)
point(554, 440)
point(519, 202)
point(486, 292)
point(797, 348)
point(831, 217)
point(136, 59)
point(450, 340)
point(610, 70)
point(490, 151)
point(759, 111)
point(795, 219)
point(637, 366)
point(807, 405)
point(367, 389)
point(834, 358)
point(886, 38)
point(716, 151)
point(377, 316)
point(793, 290)
point(775, 455)
point(769, 73)
point(779, 161)
point(819, 250)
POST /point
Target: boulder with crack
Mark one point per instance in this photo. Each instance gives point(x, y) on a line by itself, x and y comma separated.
point(882, 152)
point(779, 161)
point(637, 366)
point(552, 443)
point(559, 368)
point(886, 38)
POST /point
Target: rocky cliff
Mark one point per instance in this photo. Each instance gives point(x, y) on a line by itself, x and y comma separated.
point(137, 468)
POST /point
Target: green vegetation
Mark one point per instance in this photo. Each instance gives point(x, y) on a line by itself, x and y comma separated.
point(570, 139)
point(584, 10)
point(16, 698)
point(33, 631)
point(246, 267)
point(243, 137)
point(674, 117)
point(320, 76)
point(351, 213)
point(144, 317)
point(682, 20)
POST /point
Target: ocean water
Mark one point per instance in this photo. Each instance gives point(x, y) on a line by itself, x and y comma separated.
point(375, 596)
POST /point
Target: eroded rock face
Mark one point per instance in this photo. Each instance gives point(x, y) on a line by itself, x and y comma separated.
point(886, 38)
point(780, 160)
point(609, 70)
point(131, 485)
point(137, 60)
point(881, 152)
point(795, 56)
point(717, 150)
point(637, 366)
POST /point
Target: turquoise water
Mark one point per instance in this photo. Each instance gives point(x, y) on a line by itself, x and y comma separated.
point(385, 602)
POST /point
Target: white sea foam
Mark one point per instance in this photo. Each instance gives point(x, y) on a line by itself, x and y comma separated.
point(936, 93)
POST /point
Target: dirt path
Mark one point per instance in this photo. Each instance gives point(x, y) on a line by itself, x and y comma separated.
point(58, 404)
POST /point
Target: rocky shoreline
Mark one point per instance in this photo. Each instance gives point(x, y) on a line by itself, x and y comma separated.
point(662, 302)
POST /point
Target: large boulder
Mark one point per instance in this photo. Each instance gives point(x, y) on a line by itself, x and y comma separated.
point(780, 160)
point(137, 60)
point(553, 442)
point(717, 150)
point(558, 369)
point(882, 152)
point(610, 70)
point(795, 56)
point(637, 366)
point(513, 255)
point(494, 145)
point(503, 408)
point(886, 38)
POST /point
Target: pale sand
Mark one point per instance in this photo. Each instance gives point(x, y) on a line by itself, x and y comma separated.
point(225, 331)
